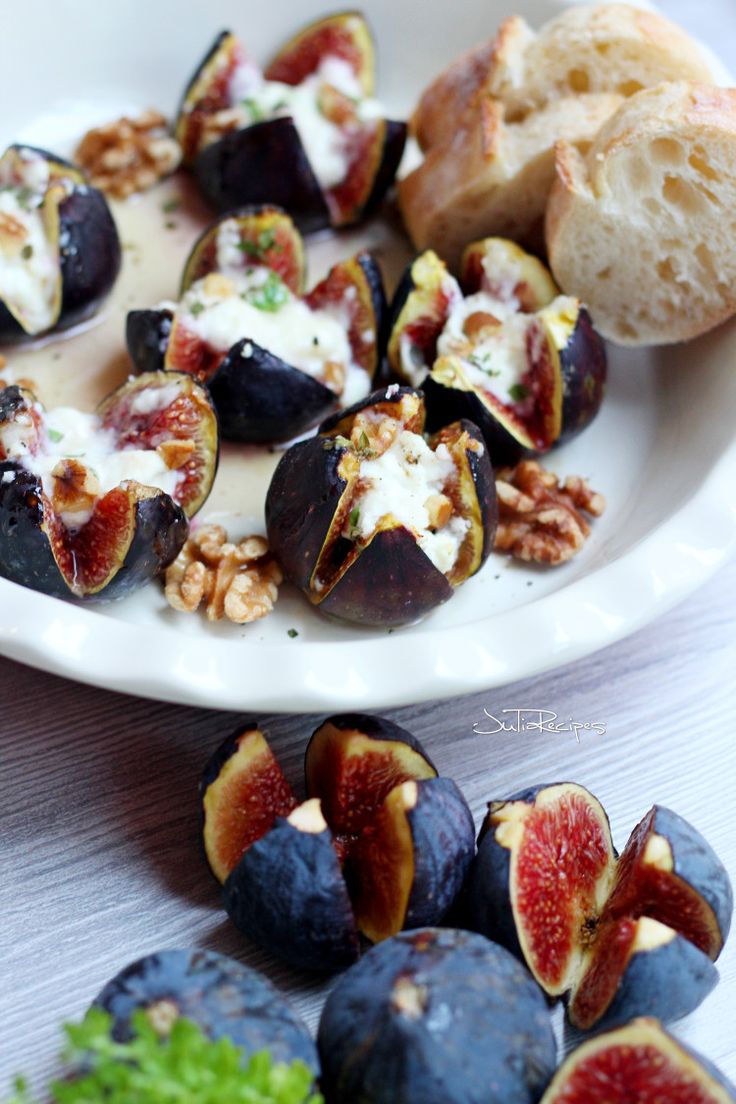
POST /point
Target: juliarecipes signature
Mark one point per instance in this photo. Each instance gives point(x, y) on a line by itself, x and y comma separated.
point(533, 720)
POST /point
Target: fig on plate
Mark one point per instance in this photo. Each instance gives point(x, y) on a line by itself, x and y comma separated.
point(619, 937)
point(304, 133)
point(93, 506)
point(380, 844)
point(501, 347)
point(225, 998)
point(436, 1017)
point(375, 524)
point(640, 1062)
point(275, 361)
point(59, 247)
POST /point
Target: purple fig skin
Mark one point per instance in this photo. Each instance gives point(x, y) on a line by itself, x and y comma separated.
point(224, 997)
point(288, 894)
point(436, 1017)
point(443, 834)
point(584, 369)
point(147, 336)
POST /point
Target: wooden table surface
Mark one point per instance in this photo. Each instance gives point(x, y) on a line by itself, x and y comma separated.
point(100, 844)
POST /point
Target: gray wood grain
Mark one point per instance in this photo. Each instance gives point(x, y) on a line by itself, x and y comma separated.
point(100, 845)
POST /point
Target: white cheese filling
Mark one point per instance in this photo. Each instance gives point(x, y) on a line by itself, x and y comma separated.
point(413, 364)
point(399, 483)
point(283, 324)
point(497, 361)
point(29, 263)
point(72, 434)
point(325, 144)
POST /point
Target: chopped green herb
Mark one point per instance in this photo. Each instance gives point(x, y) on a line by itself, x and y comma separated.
point(23, 195)
point(484, 364)
point(280, 106)
point(170, 205)
point(170, 224)
point(292, 633)
point(518, 392)
point(354, 517)
point(184, 1066)
point(363, 441)
point(254, 109)
point(196, 308)
point(26, 252)
point(315, 341)
point(265, 241)
point(54, 435)
point(249, 247)
point(270, 296)
point(344, 442)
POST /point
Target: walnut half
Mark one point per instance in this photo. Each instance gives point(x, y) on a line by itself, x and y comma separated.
point(541, 519)
point(129, 155)
point(235, 581)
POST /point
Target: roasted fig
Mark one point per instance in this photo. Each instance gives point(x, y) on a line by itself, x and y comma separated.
point(381, 843)
point(275, 362)
point(639, 1062)
point(94, 505)
point(59, 248)
point(620, 936)
point(436, 1017)
point(375, 524)
point(303, 134)
point(507, 351)
point(219, 994)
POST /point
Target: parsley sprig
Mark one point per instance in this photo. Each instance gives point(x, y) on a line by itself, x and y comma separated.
point(183, 1068)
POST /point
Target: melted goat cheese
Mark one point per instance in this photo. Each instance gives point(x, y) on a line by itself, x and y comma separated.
point(324, 143)
point(304, 338)
point(399, 483)
point(499, 360)
point(73, 434)
point(29, 262)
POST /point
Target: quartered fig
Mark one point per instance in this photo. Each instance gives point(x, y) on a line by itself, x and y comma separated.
point(225, 998)
point(380, 844)
point(618, 937)
point(640, 1062)
point(436, 1017)
point(501, 347)
point(304, 133)
point(375, 524)
point(94, 505)
point(275, 361)
point(59, 248)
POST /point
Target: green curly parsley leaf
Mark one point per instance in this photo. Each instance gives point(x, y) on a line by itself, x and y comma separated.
point(183, 1068)
point(269, 296)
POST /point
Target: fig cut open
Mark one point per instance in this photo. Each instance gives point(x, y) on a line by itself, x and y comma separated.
point(95, 505)
point(639, 1062)
point(275, 360)
point(59, 247)
point(304, 133)
point(380, 844)
point(617, 936)
point(376, 524)
point(501, 347)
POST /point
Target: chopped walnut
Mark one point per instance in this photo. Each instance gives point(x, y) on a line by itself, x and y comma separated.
point(75, 487)
point(480, 324)
point(439, 510)
point(374, 434)
point(541, 519)
point(176, 452)
point(334, 376)
point(236, 581)
point(219, 123)
point(129, 155)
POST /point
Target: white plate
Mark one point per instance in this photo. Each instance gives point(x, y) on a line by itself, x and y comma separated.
point(663, 450)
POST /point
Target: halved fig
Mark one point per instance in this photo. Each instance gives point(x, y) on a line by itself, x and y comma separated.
point(640, 1062)
point(275, 362)
point(225, 998)
point(436, 1016)
point(620, 936)
point(94, 505)
point(507, 351)
point(375, 806)
point(360, 549)
point(59, 248)
point(303, 134)
point(243, 792)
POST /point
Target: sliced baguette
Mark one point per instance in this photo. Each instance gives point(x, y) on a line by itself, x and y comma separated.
point(492, 179)
point(643, 226)
point(587, 48)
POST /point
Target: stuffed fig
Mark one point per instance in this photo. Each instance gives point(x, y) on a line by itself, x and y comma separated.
point(501, 347)
point(305, 133)
point(94, 505)
point(59, 248)
point(373, 522)
point(275, 361)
